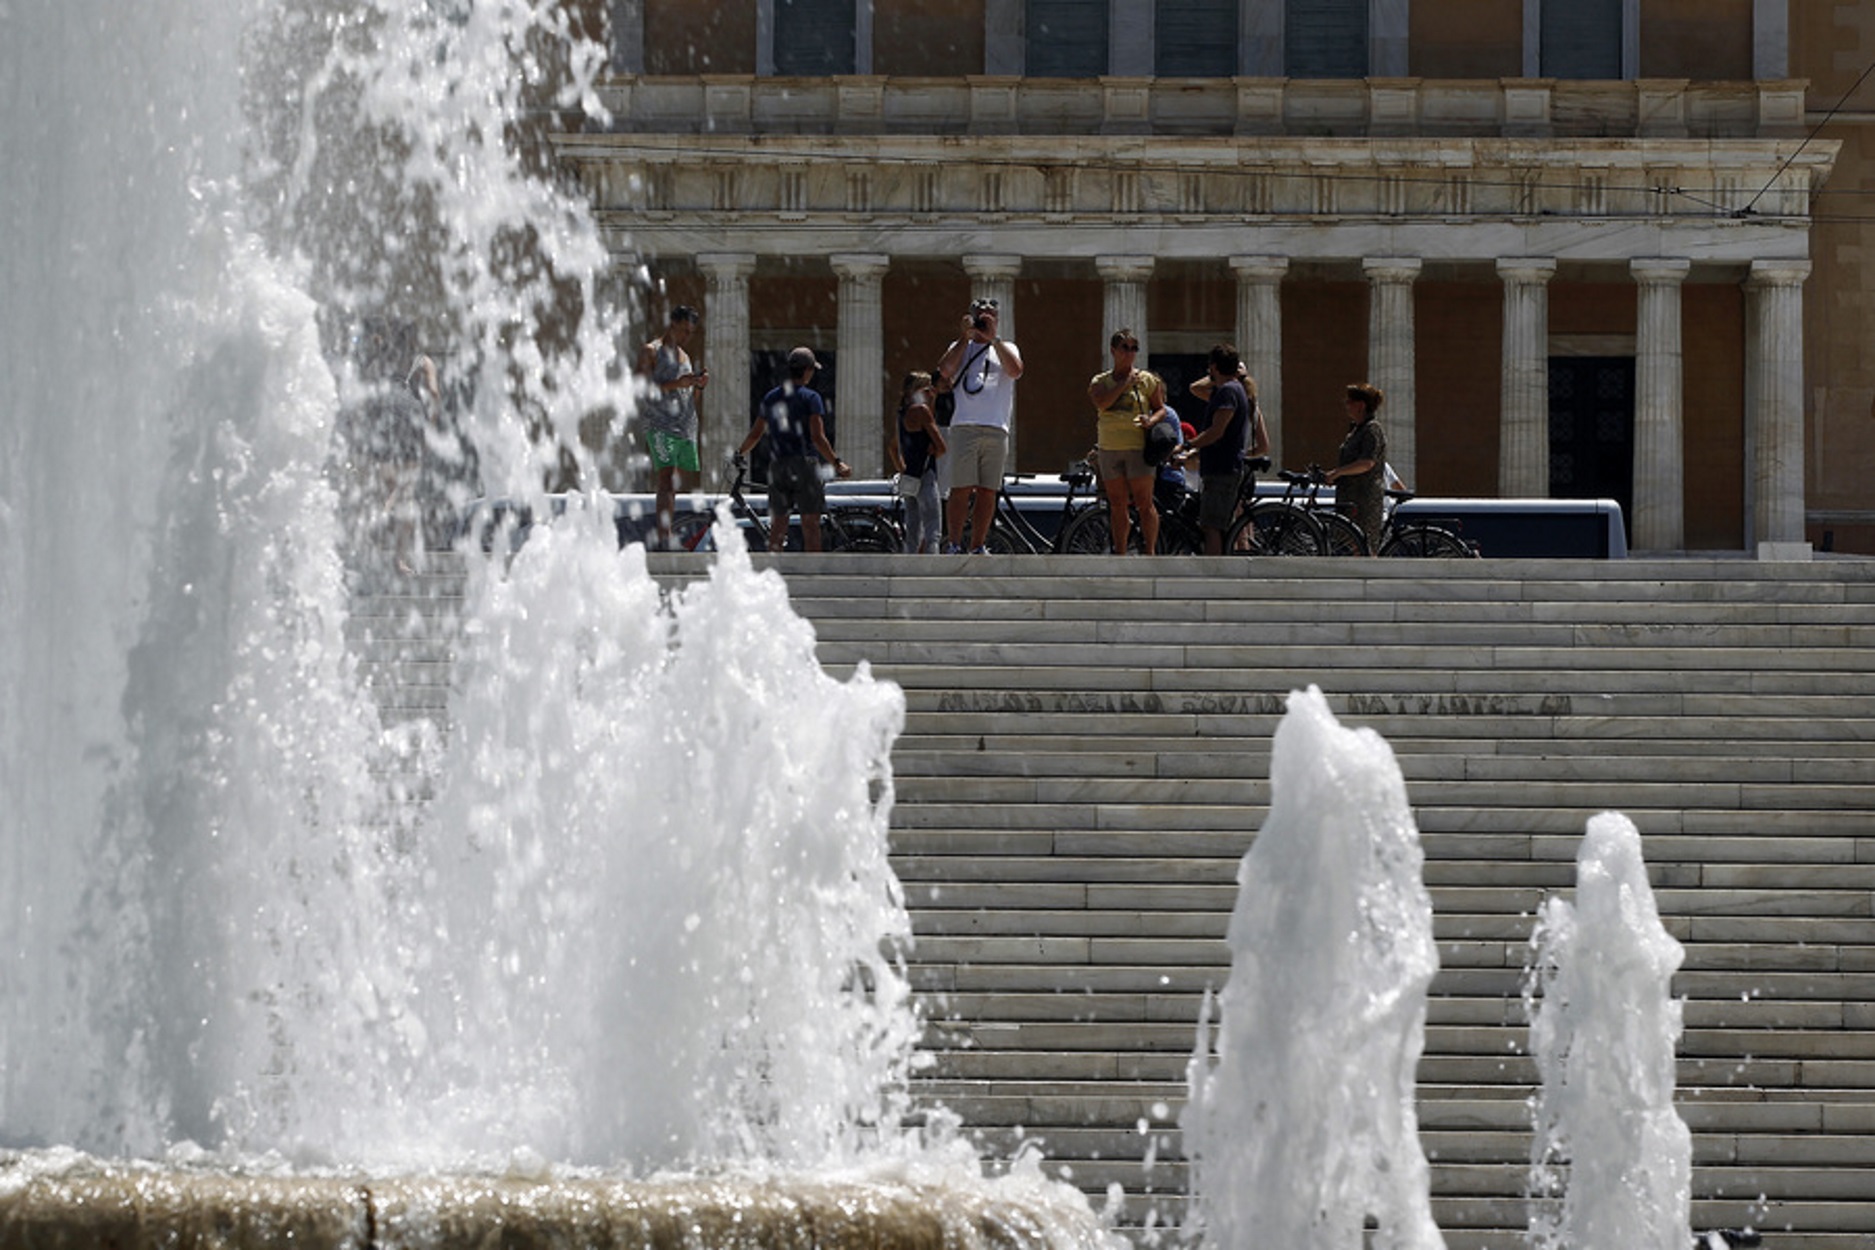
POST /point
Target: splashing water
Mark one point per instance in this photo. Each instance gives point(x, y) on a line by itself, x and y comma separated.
point(1603, 1029)
point(625, 771)
point(1301, 1120)
point(646, 919)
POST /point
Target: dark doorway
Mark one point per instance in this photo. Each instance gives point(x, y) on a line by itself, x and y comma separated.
point(1179, 370)
point(1591, 429)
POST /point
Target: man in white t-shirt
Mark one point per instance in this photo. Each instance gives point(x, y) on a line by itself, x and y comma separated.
point(983, 368)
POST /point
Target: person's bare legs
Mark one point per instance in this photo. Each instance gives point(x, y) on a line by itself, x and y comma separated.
point(982, 508)
point(810, 531)
point(1141, 488)
point(956, 508)
point(777, 531)
point(667, 503)
point(1119, 521)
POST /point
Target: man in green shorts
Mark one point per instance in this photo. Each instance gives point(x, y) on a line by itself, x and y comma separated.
point(670, 411)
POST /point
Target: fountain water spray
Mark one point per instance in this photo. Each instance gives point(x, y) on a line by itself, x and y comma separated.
point(1611, 1160)
point(1301, 1122)
point(646, 921)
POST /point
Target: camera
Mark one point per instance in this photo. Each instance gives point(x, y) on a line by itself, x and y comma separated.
point(977, 308)
point(981, 323)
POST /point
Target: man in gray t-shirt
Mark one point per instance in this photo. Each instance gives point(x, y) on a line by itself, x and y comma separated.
point(669, 406)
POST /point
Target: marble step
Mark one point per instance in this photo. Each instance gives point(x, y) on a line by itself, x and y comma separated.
point(886, 638)
point(1599, 618)
point(1466, 848)
point(1477, 820)
point(1122, 758)
point(1041, 1006)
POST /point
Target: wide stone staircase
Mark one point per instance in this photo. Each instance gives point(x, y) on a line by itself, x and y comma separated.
point(1086, 759)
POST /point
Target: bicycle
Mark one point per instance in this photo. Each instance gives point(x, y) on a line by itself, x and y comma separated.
point(1012, 533)
point(1342, 537)
point(1421, 537)
point(843, 527)
point(1410, 538)
point(1276, 527)
point(1091, 531)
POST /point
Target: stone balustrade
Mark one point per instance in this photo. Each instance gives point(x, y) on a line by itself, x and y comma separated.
point(1535, 108)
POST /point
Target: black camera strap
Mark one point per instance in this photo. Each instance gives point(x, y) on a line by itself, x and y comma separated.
point(963, 374)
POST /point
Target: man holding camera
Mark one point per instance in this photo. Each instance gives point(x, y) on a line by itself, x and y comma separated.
point(982, 367)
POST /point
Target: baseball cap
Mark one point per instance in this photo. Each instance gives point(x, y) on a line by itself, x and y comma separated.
point(802, 358)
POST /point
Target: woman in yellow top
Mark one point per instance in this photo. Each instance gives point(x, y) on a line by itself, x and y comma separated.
point(1127, 400)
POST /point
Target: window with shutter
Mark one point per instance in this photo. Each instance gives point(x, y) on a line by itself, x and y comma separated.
point(1066, 38)
point(1325, 38)
point(1195, 38)
point(1581, 39)
point(814, 38)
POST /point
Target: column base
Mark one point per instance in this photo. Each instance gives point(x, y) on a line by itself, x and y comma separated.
point(1785, 551)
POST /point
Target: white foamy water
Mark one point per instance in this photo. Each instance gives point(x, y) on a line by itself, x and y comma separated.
point(1611, 1160)
point(646, 920)
point(1301, 1124)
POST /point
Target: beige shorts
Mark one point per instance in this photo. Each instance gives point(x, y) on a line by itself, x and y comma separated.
point(1127, 465)
point(977, 456)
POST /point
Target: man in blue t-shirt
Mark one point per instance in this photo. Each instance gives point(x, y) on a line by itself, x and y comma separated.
point(1230, 431)
point(792, 418)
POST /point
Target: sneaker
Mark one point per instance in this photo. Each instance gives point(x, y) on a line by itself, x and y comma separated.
point(979, 551)
point(952, 549)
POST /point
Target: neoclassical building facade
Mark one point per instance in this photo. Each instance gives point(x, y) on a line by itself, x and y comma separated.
point(1571, 243)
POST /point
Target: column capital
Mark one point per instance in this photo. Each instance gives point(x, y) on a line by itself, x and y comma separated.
point(1526, 269)
point(859, 264)
point(991, 268)
point(1124, 268)
point(1778, 273)
point(1259, 268)
point(1649, 270)
point(1392, 268)
point(726, 265)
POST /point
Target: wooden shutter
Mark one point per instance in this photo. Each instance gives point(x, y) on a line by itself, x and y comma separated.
point(1325, 38)
point(814, 38)
point(1195, 38)
point(1581, 38)
point(1066, 38)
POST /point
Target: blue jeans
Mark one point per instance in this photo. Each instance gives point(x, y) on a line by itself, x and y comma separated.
point(924, 516)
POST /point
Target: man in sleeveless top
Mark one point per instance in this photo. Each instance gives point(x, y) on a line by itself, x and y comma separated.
point(982, 367)
point(670, 411)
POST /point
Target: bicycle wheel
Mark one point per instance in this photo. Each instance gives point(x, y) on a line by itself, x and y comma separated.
point(1089, 533)
point(1344, 537)
point(1427, 542)
point(690, 531)
point(1276, 529)
point(1179, 537)
point(862, 529)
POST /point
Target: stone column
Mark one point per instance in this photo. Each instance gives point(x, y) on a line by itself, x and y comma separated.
point(725, 416)
point(1003, 52)
point(1123, 298)
point(1770, 39)
point(1774, 407)
point(1260, 336)
point(628, 36)
point(994, 277)
point(1131, 47)
point(860, 416)
point(1390, 349)
point(1659, 522)
point(1387, 22)
point(1523, 395)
